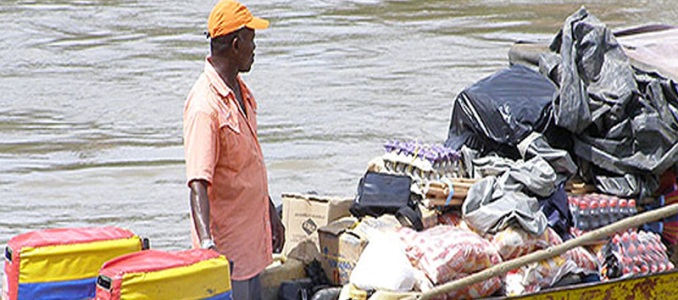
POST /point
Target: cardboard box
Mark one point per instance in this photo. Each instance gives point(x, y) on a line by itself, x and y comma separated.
point(341, 249)
point(304, 214)
point(343, 241)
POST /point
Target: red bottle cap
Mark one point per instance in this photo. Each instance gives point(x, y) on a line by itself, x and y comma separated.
point(615, 239)
point(641, 249)
point(626, 270)
point(622, 202)
point(594, 204)
point(634, 236)
point(613, 202)
point(636, 270)
point(632, 203)
point(627, 261)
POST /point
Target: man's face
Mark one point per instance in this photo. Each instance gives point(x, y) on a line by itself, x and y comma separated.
point(246, 48)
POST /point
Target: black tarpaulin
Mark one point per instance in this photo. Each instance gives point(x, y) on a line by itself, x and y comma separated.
point(624, 121)
point(497, 112)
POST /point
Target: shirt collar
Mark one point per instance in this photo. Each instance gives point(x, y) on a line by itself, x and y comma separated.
point(220, 86)
point(215, 80)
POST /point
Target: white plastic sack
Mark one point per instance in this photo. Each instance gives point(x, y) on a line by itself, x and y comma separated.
point(383, 265)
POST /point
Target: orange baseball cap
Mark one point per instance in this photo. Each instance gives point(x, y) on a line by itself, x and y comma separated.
point(228, 16)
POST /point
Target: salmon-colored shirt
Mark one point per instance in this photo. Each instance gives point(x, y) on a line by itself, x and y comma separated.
point(222, 148)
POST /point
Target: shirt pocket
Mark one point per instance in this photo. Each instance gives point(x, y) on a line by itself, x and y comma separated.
point(236, 149)
point(229, 120)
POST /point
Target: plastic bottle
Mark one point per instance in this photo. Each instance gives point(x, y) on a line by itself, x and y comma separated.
point(604, 212)
point(583, 215)
point(613, 209)
point(626, 271)
point(594, 219)
point(627, 262)
point(574, 210)
point(625, 240)
point(632, 207)
point(636, 270)
point(623, 211)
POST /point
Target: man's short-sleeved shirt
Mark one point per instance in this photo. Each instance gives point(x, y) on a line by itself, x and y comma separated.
point(221, 147)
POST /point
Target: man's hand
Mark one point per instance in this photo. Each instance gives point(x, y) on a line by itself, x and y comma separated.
point(277, 229)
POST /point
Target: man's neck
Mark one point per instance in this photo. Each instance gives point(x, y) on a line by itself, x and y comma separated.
point(229, 75)
point(226, 71)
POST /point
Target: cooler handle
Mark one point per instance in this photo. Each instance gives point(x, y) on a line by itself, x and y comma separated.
point(145, 244)
point(104, 282)
point(8, 254)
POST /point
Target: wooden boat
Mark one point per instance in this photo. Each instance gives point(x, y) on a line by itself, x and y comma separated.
point(653, 286)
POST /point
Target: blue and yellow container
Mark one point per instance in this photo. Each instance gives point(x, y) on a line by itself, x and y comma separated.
point(62, 263)
point(160, 275)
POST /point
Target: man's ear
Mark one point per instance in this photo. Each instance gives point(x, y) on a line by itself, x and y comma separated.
point(235, 43)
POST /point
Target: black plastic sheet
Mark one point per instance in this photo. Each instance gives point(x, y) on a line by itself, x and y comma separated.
point(623, 121)
point(497, 112)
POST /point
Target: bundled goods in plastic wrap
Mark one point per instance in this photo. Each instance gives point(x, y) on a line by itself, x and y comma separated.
point(633, 253)
point(474, 291)
point(514, 242)
point(444, 252)
point(419, 160)
point(592, 211)
point(537, 276)
point(585, 260)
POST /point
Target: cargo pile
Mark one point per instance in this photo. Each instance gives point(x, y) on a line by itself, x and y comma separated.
point(535, 156)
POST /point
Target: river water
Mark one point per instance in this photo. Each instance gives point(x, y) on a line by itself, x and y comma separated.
point(92, 92)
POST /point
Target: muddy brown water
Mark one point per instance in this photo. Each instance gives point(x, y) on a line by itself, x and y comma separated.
point(92, 91)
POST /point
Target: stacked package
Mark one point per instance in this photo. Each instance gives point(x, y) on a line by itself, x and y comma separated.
point(419, 160)
point(592, 211)
point(515, 242)
point(445, 253)
point(632, 254)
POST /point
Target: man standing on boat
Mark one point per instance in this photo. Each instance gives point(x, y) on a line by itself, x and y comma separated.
point(230, 207)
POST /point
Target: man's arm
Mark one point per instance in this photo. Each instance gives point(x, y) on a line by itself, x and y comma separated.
point(200, 210)
point(277, 228)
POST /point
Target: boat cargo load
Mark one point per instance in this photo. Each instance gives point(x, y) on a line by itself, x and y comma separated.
point(62, 263)
point(159, 275)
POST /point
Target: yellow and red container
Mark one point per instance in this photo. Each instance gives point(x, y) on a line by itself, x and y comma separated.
point(62, 263)
point(160, 275)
